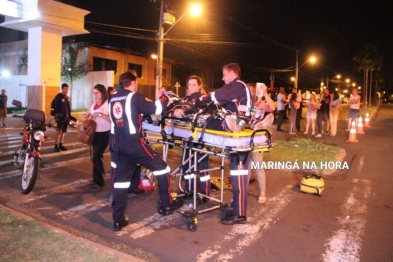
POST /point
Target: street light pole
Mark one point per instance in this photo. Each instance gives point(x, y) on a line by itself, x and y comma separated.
point(160, 51)
point(170, 19)
point(297, 69)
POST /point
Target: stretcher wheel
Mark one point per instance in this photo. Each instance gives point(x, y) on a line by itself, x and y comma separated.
point(192, 225)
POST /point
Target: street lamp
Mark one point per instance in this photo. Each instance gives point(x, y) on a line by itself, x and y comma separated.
point(312, 60)
point(338, 77)
point(166, 18)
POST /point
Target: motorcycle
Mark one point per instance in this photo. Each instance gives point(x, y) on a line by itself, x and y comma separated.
point(28, 158)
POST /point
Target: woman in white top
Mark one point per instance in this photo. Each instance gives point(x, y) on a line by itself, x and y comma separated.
point(334, 112)
point(354, 106)
point(263, 107)
point(312, 106)
point(99, 113)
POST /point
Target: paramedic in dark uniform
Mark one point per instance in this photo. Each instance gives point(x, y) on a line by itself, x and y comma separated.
point(126, 109)
point(133, 189)
point(231, 93)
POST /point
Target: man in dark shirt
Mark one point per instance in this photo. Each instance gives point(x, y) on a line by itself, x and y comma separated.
point(323, 113)
point(62, 106)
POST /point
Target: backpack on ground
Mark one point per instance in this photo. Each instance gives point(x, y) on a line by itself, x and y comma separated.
point(312, 184)
point(86, 132)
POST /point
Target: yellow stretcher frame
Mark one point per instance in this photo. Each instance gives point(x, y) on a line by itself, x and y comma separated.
point(166, 134)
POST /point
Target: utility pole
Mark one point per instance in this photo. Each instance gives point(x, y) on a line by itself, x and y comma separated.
point(297, 69)
point(271, 80)
point(160, 51)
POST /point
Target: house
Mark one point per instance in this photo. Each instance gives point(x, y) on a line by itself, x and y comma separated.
point(105, 65)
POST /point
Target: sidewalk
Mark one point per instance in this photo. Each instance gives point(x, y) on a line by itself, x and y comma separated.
point(12, 123)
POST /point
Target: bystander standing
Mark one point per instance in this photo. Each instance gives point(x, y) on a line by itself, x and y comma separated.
point(323, 113)
point(3, 107)
point(281, 103)
point(354, 107)
point(99, 112)
point(62, 113)
point(334, 112)
point(312, 107)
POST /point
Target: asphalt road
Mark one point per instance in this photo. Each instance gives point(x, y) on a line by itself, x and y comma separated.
point(352, 221)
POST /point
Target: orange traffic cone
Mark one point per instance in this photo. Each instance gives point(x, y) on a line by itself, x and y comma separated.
point(352, 133)
point(367, 121)
point(359, 129)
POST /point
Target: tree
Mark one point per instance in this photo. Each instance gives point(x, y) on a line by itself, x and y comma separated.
point(368, 61)
point(71, 68)
point(23, 61)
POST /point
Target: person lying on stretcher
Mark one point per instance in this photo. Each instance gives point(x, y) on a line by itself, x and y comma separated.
point(193, 106)
point(185, 108)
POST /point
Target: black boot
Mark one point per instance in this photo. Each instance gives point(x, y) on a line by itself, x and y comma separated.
point(119, 226)
point(234, 220)
point(56, 149)
point(62, 148)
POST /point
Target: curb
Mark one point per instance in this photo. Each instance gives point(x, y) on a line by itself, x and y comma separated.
point(373, 115)
point(83, 241)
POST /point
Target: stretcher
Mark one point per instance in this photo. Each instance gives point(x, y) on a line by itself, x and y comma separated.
point(205, 142)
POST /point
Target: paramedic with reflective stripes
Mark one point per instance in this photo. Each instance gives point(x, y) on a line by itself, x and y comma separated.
point(233, 92)
point(126, 109)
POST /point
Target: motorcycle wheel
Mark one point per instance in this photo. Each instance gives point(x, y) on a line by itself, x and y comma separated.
point(28, 179)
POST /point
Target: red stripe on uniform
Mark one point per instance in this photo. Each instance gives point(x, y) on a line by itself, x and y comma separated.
point(145, 148)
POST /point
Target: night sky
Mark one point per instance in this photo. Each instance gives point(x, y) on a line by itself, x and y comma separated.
point(258, 34)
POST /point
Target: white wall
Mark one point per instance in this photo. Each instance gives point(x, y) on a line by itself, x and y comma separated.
point(15, 88)
point(82, 89)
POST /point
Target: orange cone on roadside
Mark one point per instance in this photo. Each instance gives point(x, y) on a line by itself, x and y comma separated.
point(352, 133)
point(359, 129)
point(367, 121)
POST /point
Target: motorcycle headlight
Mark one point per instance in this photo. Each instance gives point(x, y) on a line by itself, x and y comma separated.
point(39, 135)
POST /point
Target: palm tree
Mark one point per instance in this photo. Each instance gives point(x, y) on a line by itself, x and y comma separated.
point(368, 61)
point(71, 68)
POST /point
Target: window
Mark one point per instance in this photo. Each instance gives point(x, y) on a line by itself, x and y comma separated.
point(137, 68)
point(102, 64)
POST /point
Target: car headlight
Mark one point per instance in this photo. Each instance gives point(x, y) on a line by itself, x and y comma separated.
point(39, 135)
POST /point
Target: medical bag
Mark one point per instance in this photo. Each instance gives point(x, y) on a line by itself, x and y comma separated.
point(312, 184)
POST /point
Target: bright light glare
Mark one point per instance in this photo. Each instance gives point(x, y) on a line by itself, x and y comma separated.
point(5, 73)
point(195, 10)
point(338, 76)
point(154, 56)
point(313, 59)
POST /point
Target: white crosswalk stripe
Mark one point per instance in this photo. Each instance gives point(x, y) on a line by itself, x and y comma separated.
point(249, 233)
point(345, 243)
